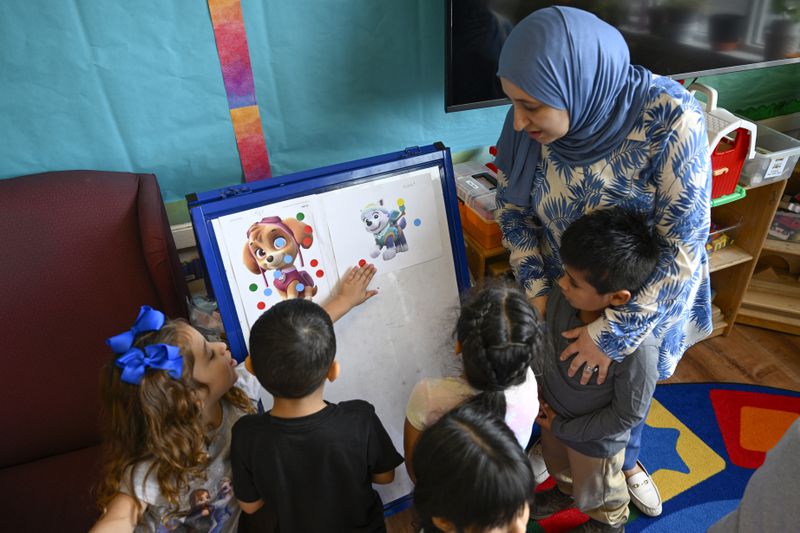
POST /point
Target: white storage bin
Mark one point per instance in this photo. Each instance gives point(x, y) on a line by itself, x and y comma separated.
point(477, 190)
point(776, 156)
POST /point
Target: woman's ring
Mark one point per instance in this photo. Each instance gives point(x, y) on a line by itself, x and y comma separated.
point(591, 369)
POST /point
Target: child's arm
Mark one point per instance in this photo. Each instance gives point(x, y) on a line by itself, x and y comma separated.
point(382, 457)
point(251, 507)
point(352, 292)
point(384, 478)
point(410, 437)
point(120, 516)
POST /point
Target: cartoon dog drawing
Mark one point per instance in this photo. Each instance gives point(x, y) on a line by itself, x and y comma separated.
point(274, 244)
point(386, 228)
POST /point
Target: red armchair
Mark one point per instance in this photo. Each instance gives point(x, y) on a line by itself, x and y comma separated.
point(80, 251)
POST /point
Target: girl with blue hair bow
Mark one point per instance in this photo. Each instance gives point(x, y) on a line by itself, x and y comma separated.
point(588, 130)
point(171, 398)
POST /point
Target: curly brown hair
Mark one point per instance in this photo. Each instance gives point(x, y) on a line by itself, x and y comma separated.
point(158, 421)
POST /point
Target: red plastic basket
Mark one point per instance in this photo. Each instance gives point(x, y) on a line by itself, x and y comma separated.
point(727, 161)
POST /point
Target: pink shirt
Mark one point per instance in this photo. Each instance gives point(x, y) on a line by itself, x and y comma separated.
point(433, 397)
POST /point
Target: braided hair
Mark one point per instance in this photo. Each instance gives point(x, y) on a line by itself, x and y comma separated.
point(500, 335)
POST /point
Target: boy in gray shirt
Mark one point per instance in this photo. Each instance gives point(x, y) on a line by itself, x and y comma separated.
point(607, 255)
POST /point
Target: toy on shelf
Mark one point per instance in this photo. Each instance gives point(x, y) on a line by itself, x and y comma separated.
point(785, 226)
point(732, 141)
point(721, 236)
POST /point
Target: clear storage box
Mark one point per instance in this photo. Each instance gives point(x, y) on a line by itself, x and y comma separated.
point(477, 191)
point(722, 235)
point(776, 156)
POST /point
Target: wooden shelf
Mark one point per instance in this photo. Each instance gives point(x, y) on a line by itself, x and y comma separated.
point(727, 257)
point(774, 298)
point(719, 329)
point(733, 266)
point(781, 247)
point(768, 319)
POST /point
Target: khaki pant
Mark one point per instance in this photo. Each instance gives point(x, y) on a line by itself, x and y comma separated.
point(597, 483)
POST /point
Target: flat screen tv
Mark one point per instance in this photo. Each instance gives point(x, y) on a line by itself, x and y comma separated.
point(682, 39)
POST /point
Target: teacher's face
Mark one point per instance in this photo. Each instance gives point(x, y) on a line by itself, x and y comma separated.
point(542, 123)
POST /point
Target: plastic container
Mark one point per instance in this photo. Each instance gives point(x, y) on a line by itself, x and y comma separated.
point(477, 191)
point(727, 160)
point(738, 193)
point(485, 233)
point(731, 139)
point(776, 156)
point(722, 235)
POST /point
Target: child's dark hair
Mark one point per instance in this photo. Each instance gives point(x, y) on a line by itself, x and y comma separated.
point(470, 471)
point(615, 249)
point(292, 346)
point(500, 334)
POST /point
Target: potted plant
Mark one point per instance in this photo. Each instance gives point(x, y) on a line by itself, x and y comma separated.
point(782, 36)
point(673, 18)
point(726, 30)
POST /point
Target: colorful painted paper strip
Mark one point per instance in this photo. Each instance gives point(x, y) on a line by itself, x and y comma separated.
point(234, 58)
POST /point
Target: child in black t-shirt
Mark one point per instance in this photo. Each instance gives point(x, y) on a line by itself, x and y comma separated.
point(312, 462)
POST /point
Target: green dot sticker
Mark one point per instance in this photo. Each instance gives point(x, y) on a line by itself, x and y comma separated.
point(300, 216)
point(253, 287)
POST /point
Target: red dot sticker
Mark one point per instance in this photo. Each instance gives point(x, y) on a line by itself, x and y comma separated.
point(307, 242)
point(320, 273)
point(308, 229)
point(314, 262)
point(261, 305)
point(362, 262)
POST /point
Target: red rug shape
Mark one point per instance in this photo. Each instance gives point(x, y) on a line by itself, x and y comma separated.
point(747, 418)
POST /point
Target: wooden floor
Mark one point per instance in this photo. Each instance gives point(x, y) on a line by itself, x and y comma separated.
point(748, 355)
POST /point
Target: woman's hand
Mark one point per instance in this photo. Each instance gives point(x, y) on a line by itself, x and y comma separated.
point(585, 351)
point(546, 416)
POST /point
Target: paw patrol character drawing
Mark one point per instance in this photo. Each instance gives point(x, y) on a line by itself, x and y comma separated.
point(274, 244)
point(386, 228)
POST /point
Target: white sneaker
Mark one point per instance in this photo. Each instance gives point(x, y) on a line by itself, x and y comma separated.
point(644, 493)
point(537, 462)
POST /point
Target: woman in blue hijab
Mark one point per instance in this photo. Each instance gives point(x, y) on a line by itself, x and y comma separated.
point(587, 130)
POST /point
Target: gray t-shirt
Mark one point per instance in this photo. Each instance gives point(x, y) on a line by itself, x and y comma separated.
point(593, 419)
point(210, 503)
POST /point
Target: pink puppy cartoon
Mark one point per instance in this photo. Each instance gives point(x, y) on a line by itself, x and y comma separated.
point(274, 244)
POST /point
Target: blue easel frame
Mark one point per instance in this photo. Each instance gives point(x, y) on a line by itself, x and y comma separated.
point(207, 206)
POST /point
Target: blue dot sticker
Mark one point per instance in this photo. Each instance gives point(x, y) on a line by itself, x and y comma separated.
point(277, 274)
point(267, 292)
point(280, 242)
point(300, 287)
point(288, 259)
point(417, 222)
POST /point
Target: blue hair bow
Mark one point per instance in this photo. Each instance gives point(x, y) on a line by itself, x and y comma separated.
point(148, 320)
point(135, 362)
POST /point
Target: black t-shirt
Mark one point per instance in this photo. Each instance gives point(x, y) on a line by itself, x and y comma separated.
point(315, 471)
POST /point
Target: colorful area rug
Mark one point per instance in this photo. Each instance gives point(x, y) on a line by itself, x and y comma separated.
point(701, 444)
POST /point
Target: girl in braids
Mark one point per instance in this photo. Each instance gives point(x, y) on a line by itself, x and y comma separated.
point(499, 335)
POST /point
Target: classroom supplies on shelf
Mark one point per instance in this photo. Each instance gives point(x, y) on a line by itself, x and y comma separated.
point(476, 189)
point(722, 235)
point(785, 226)
point(732, 141)
point(775, 158)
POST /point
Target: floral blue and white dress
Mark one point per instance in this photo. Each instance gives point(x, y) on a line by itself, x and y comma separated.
point(663, 170)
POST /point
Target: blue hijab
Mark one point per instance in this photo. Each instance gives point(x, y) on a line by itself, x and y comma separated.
point(568, 59)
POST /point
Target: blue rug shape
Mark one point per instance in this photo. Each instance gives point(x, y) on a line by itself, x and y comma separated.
point(701, 505)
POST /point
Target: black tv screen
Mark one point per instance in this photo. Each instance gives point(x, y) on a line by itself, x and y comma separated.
point(682, 39)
